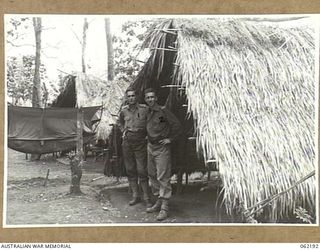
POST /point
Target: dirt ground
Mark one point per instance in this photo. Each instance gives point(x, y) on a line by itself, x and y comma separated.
point(104, 199)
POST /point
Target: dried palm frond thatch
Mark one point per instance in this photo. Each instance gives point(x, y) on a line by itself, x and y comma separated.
point(84, 90)
point(92, 91)
point(251, 92)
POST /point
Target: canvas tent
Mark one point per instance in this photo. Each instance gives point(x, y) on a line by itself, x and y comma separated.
point(46, 130)
point(245, 90)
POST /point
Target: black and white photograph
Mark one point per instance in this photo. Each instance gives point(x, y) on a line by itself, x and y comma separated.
point(161, 120)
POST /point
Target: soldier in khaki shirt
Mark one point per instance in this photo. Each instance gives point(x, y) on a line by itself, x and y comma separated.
point(162, 129)
point(132, 123)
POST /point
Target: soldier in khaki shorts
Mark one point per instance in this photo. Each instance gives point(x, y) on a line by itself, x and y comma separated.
point(132, 123)
point(162, 129)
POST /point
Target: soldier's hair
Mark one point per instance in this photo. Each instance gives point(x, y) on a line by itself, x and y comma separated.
point(130, 89)
point(150, 90)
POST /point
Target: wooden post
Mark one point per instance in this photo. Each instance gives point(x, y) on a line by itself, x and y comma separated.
point(77, 161)
point(47, 176)
point(80, 134)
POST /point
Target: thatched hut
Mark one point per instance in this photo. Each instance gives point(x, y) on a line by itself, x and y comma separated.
point(246, 91)
point(82, 90)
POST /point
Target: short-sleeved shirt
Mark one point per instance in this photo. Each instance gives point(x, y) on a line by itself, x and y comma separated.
point(161, 124)
point(132, 121)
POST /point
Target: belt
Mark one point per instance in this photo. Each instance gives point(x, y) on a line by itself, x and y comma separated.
point(154, 141)
point(135, 136)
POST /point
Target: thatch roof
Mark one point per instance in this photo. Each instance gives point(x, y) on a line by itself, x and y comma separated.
point(250, 88)
point(84, 90)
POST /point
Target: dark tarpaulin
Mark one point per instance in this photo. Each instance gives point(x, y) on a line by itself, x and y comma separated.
point(38, 130)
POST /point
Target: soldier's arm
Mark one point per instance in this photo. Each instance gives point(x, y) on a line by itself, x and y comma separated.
point(120, 122)
point(175, 125)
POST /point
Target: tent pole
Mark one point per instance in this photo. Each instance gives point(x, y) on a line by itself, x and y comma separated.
point(80, 134)
point(76, 164)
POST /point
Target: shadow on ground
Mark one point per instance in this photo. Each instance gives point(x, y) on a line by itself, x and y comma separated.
point(33, 201)
point(190, 206)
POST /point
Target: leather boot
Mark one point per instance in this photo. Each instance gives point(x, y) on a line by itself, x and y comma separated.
point(148, 202)
point(155, 208)
point(134, 201)
point(135, 193)
point(146, 193)
point(163, 214)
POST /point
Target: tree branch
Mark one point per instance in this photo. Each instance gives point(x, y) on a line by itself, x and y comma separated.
point(74, 33)
point(19, 45)
point(43, 53)
point(64, 72)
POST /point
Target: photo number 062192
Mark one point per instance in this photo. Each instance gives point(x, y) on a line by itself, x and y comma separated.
point(309, 246)
point(191, 120)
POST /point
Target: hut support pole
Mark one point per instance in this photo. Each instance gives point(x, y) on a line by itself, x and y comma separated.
point(179, 181)
point(76, 162)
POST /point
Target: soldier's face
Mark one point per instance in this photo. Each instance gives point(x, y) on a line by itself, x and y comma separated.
point(150, 98)
point(131, 97)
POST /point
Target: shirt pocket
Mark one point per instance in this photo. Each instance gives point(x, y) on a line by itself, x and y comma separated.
point(141, 120)
point(159, 122)
point(141, 116)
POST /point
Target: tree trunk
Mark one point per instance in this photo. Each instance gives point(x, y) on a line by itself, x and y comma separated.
point(77, 160)
point(36, 89)
point(84, 44)
point(45, 95)
point(76, 174)
point(36, 93)
point(109, 49)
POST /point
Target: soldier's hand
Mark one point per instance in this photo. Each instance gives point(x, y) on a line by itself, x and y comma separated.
point(124, 134)
point(165, 141)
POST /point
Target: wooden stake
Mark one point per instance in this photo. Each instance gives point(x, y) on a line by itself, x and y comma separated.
point(80, 134)
point(76, 162)
point(46, 180)
point(97, 178)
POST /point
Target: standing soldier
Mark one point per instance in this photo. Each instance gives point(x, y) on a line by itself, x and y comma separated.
point(162, 129)
point(132, 122)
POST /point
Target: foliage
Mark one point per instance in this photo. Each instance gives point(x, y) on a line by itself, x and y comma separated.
point(20, 79)
point(20, 69)
point(17, 29)
point(303, 215)
point(58, 87)
point(127, 46)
